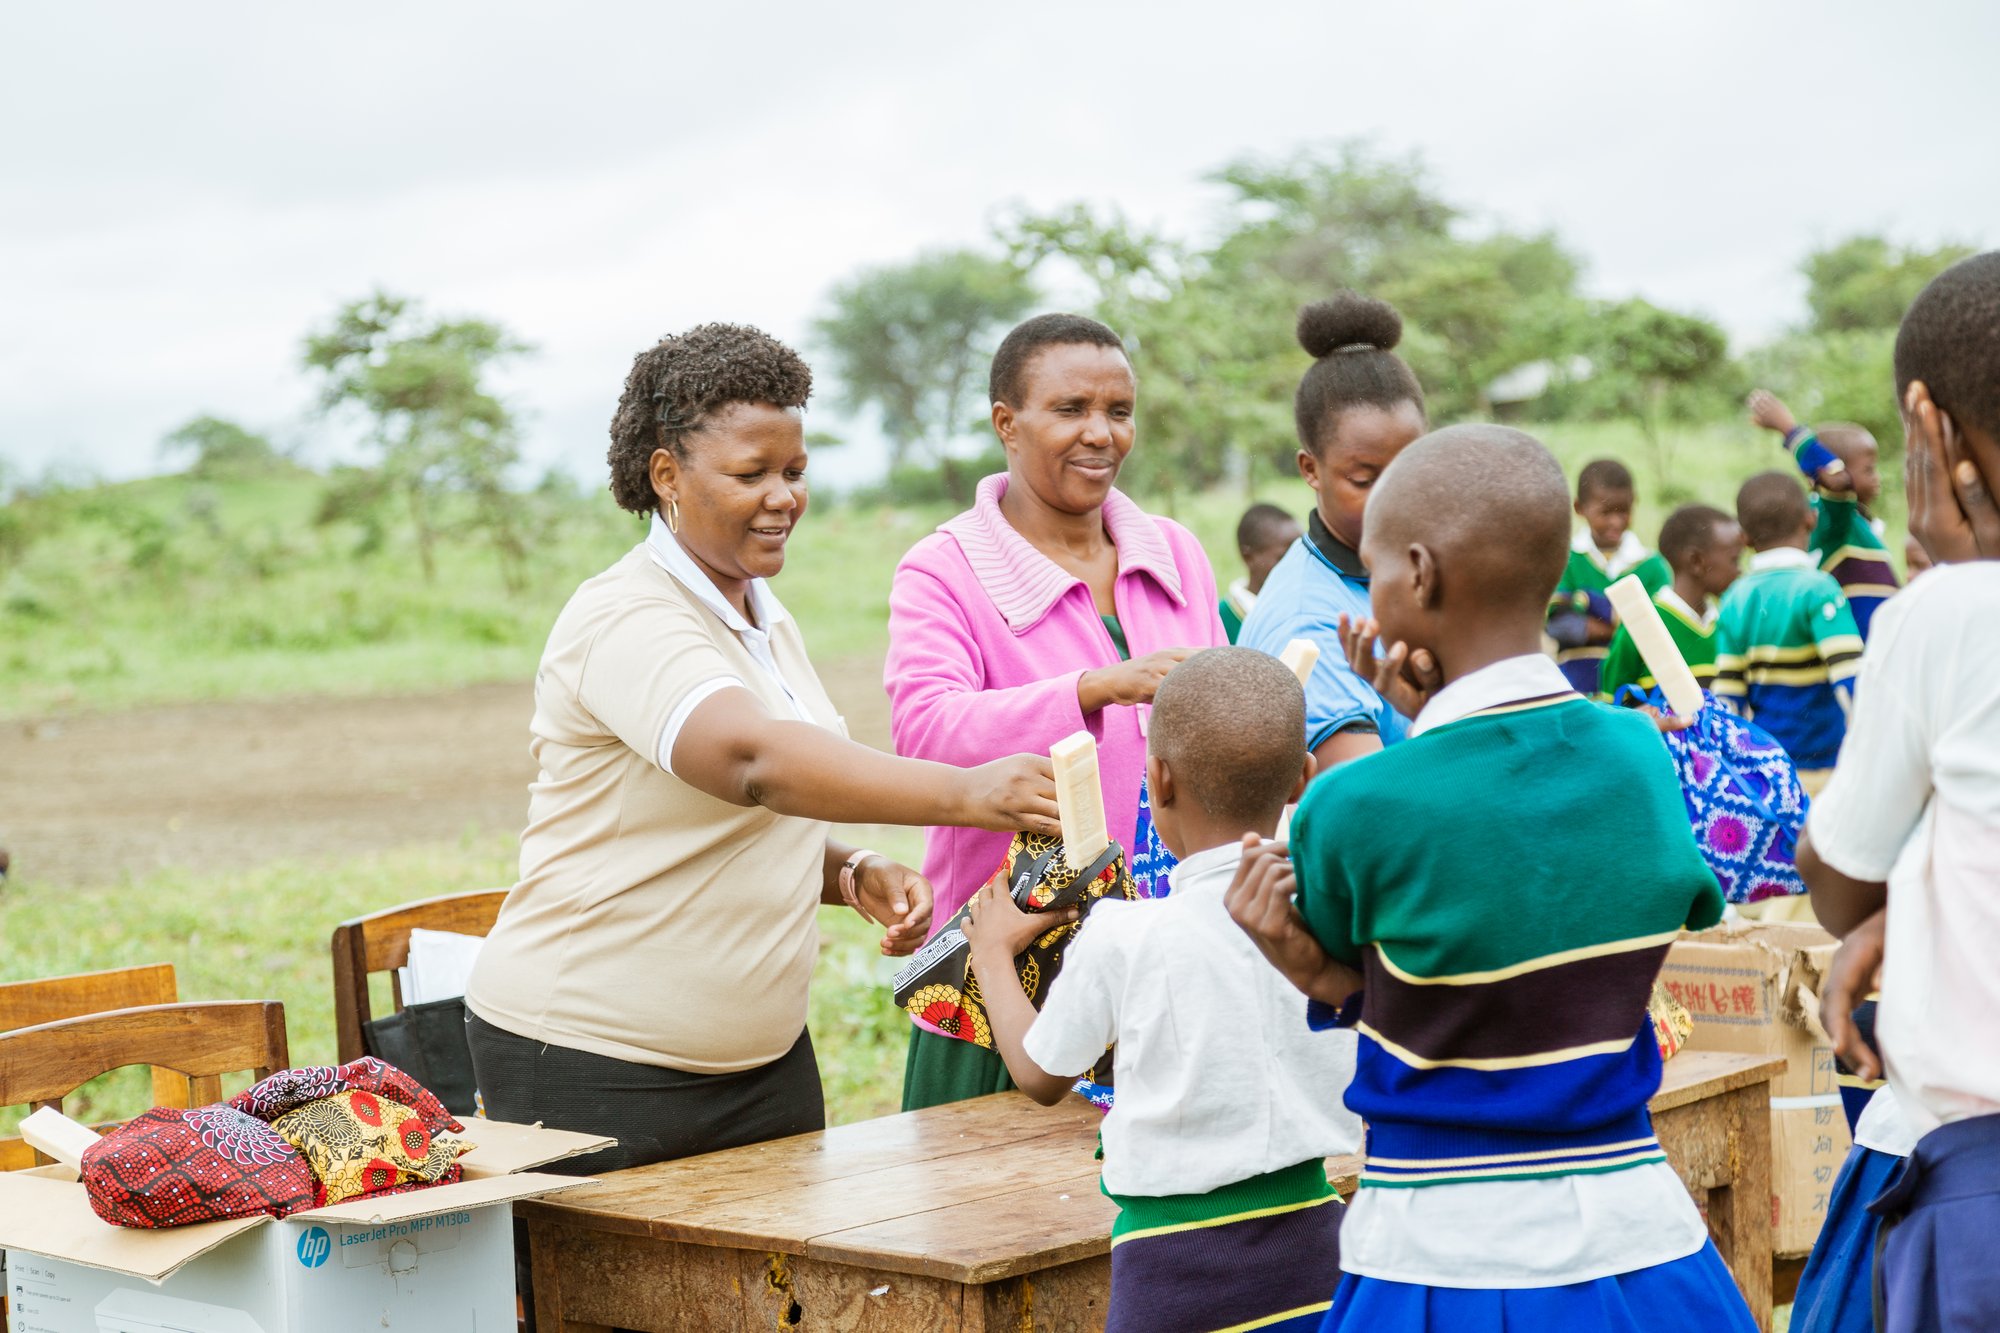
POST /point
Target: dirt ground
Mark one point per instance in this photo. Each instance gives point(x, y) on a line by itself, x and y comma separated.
point(92, 799)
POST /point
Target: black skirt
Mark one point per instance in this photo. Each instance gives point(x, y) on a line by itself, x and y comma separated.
point(656, 1114)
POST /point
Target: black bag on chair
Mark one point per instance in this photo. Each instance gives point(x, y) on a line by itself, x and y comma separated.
point(427, 1041)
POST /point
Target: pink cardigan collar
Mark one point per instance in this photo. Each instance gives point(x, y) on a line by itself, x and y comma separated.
point(1023, 582)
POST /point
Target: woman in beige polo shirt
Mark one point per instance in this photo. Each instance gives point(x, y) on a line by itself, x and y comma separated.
point(647, 976)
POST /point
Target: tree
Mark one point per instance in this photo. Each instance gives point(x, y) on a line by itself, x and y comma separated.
point(1864, 282)
point(440, 435)
point(912, 341)
point(222, 448)
point(1649, 363)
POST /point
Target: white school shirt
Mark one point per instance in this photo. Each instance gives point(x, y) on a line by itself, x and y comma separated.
point(1219, 1078)
point(1915, 801)
point(1517, 1233)
point(669, 555)
point(1630, 554)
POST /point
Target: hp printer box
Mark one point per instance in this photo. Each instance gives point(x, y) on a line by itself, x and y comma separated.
point(439, 1260)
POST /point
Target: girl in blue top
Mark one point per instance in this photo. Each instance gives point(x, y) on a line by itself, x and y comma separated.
point(1356, 408)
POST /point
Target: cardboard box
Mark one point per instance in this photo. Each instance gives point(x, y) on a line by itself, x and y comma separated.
point(1754, 987)
point(438, 1260)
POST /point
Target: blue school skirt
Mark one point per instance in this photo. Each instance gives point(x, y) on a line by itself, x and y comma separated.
point(1939, 1220)
point(1692, 1293)
point(1836, 1292)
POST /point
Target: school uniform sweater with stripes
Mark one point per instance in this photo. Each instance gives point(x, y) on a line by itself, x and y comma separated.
point(1843, 540)
point(1582, 593)
point(1692, 631)
point(1786, 654)
point(1502, 1032)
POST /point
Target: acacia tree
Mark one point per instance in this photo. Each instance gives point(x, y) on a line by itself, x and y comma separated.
point(439, 434)
point(1644, 358)
point(222, 448)
point(911, 341)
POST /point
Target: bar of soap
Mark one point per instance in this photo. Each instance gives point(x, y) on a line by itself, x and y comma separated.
point(1662, 655)
point(56, 1136)
point(1079, 797)
point(1301, 655)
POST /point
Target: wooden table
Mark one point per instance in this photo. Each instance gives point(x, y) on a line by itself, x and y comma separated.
point(1713, 1116)
point(979, 1217)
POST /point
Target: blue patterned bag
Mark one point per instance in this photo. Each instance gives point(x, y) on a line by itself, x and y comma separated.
point(1150, 861)
point(1743, 799)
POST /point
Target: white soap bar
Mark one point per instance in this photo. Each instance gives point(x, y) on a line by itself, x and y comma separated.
point(1662, 655)
point(53, 1134)
point(1300, 655)
point(1079, 797)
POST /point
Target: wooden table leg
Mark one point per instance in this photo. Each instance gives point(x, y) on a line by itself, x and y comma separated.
point(548, 1287)
point(1739, 1214)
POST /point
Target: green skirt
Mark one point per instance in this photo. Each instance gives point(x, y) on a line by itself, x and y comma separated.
point(940, 1070)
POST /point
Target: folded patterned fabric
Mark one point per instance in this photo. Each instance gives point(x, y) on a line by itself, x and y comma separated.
point(358, 1143)
point(289, 1089)
point(937, 986)
point(173, 1167)
point(1672, 1023)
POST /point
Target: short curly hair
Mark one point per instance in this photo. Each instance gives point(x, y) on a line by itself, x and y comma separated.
point(675, 386)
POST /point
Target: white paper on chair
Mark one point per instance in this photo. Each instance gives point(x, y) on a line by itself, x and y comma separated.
point(440, 965)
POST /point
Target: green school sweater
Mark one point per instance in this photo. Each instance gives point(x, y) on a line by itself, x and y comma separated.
point(1786, 652)
point(1581, 591)
point(1502, 1023)
point(1696, 640)
point(1842, 539)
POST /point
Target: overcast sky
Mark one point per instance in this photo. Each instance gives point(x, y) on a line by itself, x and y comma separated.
point(186, 188)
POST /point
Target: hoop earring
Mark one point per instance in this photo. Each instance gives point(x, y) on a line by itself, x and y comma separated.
point(674, 515)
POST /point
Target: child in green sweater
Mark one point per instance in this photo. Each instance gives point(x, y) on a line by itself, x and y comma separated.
point(1505, 1058)
point(1704, 548)
point(1842, 461)
point(1603, 551)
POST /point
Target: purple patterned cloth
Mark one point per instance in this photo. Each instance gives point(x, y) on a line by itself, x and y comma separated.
point(1744, 802)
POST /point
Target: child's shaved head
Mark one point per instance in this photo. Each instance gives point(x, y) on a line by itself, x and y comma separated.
point(1491, 504)
point(1230, 724)
point(1773, 510)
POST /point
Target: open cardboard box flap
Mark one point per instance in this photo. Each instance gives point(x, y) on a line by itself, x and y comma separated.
point(47, 1212)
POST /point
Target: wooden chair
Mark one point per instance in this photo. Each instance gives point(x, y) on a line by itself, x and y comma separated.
point(26, 1004)
point(380, 942)
point(194, 1044)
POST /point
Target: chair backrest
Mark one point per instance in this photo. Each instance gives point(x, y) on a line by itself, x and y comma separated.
point(380, 942)
point(196, 1043)
point(26, 1004)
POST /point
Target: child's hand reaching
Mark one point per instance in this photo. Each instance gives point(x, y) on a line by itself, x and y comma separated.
point(1260, 901)
point(998, 930)
point(1405, 680)
point(1769, 411)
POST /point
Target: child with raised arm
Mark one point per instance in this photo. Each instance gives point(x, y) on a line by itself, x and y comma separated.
point(1228, 1103)
point(1786, 645)
point(1704, 548)
point(1512, 1178)
point(1842, 461)
point(1603, 551)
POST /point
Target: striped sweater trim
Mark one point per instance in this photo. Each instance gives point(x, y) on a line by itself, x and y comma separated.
point(1374, 1176)
point(1522, 968)
point(1495, 1063)
point(1171, 1228)
point(1286, 1190)
point(1023, 583)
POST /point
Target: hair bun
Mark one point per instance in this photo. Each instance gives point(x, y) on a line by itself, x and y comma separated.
point(1348, 319)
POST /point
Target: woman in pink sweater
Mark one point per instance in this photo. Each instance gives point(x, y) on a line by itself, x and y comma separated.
point(1055, 604)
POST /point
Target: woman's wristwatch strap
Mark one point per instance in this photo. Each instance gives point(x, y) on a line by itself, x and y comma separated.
point(847, 870)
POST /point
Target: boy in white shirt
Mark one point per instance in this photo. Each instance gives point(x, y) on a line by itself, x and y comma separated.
point(1227, 1102)
point(1902, 850)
